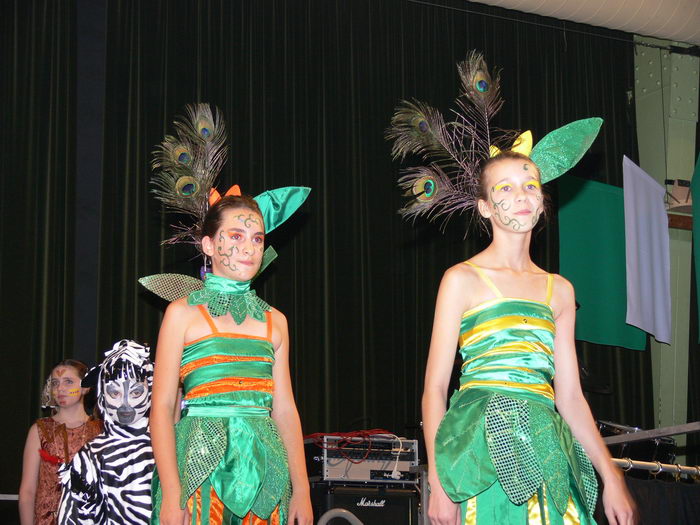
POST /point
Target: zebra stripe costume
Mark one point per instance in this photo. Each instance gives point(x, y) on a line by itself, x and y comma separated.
point(109, 479)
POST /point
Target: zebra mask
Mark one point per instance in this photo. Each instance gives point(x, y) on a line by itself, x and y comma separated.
point(124, 385)
point(108, 482)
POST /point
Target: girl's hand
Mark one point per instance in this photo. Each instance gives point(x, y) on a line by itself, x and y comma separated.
point(620, 508)
point(172, 514)
point(441, 509)
point(300, 510)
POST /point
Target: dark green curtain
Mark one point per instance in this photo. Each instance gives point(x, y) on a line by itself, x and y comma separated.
point(37, 137)
point(308, 89)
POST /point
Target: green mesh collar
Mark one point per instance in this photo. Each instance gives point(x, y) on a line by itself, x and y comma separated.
point(222, 296)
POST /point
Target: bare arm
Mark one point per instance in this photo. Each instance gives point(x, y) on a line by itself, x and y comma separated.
point(163, 406)
point(285, 414)
point(30, 476)
point(449, 308)
point(572, 406)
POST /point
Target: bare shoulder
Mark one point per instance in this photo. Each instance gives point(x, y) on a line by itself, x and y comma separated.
point(563, 294)
point(34, 430)
point(280, 331)
point(563, 286)
point(33, 438)
point(457, 287)
point(180, 314)
point(460, 274)
point(278, 318)
point(179, 307)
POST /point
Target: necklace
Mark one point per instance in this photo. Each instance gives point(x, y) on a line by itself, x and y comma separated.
point(222, 296)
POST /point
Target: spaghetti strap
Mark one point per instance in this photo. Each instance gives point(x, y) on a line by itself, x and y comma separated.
point(268, 319)
point(203, 310)
point(550, 287)
point(486, 279)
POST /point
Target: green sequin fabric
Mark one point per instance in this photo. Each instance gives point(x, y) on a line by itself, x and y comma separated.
point(277, 475)
point(201, 443)
point(519, 442)
point(502, 426)
point(224, 296)
point(511, 450)
point(242, 458)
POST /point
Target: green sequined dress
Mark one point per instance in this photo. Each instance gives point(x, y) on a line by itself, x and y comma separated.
point(231, 460)
point(502, 450)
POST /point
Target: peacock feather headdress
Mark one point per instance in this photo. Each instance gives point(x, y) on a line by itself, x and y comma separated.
point(186, 166)
point(454, 151)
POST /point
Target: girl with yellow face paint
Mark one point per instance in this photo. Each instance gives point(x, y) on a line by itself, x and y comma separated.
point(518, 444)
point(514, 325)
point(54, 440)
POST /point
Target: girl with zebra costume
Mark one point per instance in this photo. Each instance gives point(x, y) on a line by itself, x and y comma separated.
point(109, 480)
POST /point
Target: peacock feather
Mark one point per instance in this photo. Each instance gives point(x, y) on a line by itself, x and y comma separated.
point(186, 166)
point(452, 151)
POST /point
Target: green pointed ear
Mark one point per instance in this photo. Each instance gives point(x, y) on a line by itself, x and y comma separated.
point(561, 149)
point(279, 204)
point(269, 256)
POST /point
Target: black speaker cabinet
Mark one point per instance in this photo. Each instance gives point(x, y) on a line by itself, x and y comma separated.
point(371, 504)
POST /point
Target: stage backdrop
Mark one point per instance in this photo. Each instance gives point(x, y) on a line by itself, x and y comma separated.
point(307, 89)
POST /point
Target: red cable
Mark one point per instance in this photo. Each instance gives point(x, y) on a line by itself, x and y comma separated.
point(346, 439)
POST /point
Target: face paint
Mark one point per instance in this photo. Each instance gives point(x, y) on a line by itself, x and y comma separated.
point(65, 386)
point(516, 199)
point(126, 401)
point(239, 245)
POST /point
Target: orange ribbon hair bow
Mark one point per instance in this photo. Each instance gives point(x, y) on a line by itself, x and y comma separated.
point(215, 196)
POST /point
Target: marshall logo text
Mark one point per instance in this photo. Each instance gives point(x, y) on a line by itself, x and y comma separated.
point(364, 502)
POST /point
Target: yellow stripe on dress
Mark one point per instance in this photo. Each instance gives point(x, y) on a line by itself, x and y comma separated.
point(497, 300)
point(518, 346)
point(571, 516)
point(502, 367)
point(508, 322)
point(534, 513)
point(470, 515)
point(545, 389)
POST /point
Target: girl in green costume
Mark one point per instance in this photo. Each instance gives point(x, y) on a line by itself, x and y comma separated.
point(236, 456)
point(511, 448)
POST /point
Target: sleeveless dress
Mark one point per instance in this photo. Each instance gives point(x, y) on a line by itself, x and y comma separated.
point(502, 450)
point(232, 462)
point(58, 446)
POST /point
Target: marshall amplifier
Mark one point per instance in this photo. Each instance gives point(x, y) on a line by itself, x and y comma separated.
point(373, 505)
point(379, 458)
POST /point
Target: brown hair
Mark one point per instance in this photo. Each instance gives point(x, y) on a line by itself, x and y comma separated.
point(213, 218)
point(79, 366)
point(483, 188)
point(82, 370)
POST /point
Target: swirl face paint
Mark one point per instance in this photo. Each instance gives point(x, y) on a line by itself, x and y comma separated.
point(515, 199)
point(239, 245)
